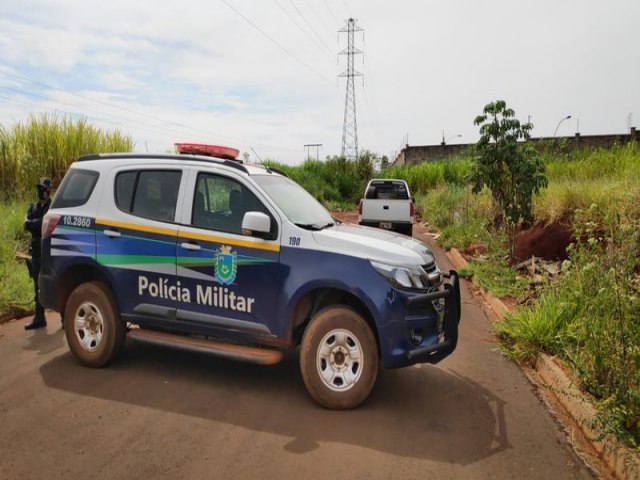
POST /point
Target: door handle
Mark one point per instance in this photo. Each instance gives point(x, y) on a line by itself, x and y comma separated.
point(194, 247)
point(385, 207)
point(112, 233)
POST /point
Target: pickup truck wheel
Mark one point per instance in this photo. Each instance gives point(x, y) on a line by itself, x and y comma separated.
point(406, 230)
point(93, 328)
point(339, 358)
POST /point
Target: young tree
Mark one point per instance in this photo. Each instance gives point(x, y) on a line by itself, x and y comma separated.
point(508, 165)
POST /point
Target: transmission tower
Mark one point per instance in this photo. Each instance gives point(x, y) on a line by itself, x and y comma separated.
point(350, 125)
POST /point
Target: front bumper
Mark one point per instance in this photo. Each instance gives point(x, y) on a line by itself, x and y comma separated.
point(449, 338)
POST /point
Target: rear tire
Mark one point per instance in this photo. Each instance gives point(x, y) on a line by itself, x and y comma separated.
point(339, 358)
point(94, 332)
point(406, 230)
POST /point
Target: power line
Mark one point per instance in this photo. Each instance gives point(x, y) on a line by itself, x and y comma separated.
point(31, 103)
point(101, 102)
point(376, 111)
point(346, 7)
point(315, 42)
point(208, 133)
point(307, 66)
point(318, 16)
point(31, 94)
point(311, 27)
point(331, 12)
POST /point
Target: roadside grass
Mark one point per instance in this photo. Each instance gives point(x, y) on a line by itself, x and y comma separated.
point(16, 290)
point(540, 326)
point(608, 178)
point(495, 275)
point(45, 145)
point(336, 182)
point(590, 319)
point(588, 315)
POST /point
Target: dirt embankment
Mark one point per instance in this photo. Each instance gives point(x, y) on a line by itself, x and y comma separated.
point(547, 241)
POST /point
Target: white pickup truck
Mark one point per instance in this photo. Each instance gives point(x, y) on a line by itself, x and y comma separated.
point(387, 204)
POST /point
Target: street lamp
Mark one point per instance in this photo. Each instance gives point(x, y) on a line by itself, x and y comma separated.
point(444, 142)
point(558, 126)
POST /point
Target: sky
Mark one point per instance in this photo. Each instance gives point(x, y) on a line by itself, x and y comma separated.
point(262, 76)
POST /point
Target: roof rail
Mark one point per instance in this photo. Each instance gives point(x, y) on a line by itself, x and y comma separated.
point(158, 156)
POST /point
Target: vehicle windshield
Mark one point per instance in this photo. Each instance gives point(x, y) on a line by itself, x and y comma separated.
point(297, 204)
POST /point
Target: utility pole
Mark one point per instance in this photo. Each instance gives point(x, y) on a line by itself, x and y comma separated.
point(308, 147)
point(350, 125)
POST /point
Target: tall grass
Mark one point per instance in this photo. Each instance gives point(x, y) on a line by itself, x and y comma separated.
point(608, 178)
point(45, 145)
point(16, 288)
point(336, 182)
point(423, 177)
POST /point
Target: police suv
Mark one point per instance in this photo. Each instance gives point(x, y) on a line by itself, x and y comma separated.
point(238, 260)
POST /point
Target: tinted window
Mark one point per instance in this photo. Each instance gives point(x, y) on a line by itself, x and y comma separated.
point(388, 191)
point(125, 183)
point(75, 189)
point(150, 194)
point(219, 203)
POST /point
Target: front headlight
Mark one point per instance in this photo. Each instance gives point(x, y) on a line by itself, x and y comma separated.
point(407, 277)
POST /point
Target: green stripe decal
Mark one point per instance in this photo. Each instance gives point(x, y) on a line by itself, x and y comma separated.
point(114, 259)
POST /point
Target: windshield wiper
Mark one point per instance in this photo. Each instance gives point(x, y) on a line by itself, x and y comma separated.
point(314, 226)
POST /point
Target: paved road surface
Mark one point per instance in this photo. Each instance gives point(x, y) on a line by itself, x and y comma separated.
point(164, 413)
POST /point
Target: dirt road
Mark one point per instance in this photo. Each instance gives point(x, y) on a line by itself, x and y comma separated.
point(164, 413)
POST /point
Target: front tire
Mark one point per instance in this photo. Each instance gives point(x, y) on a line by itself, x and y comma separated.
point(93, 328)
point(339, 358)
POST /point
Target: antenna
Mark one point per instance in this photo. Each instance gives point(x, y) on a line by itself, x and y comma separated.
point(350, 125)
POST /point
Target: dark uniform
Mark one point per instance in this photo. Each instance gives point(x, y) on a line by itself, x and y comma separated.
point(33, 224)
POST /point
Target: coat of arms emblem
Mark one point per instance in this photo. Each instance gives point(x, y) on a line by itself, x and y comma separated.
point(226, 265)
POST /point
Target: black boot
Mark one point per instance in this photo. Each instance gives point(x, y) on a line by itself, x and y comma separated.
point(36, 323)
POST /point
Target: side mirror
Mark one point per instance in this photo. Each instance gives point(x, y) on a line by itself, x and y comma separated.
point(256, 224)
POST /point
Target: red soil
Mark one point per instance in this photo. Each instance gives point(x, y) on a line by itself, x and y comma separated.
point(548, 241)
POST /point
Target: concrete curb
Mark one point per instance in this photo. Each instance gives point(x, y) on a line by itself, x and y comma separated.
point(499, 309)
point(622, 461)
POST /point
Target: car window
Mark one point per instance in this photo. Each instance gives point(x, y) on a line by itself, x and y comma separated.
point(75, 189)
point(388, 191)
point(125, 183)
point(295, 202)
point(150, 194)
point(219, 203)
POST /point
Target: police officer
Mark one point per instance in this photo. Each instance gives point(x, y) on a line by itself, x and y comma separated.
point(33, 223)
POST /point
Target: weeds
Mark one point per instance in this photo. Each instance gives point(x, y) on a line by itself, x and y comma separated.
point(16, 292)
point(591, 318)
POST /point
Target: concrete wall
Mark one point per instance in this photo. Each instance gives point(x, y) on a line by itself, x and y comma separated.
point(426, 153)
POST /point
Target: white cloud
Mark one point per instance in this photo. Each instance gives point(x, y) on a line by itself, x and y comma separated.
point(429, 66)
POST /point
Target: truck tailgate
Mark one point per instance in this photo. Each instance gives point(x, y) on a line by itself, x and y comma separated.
point(386, 210)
